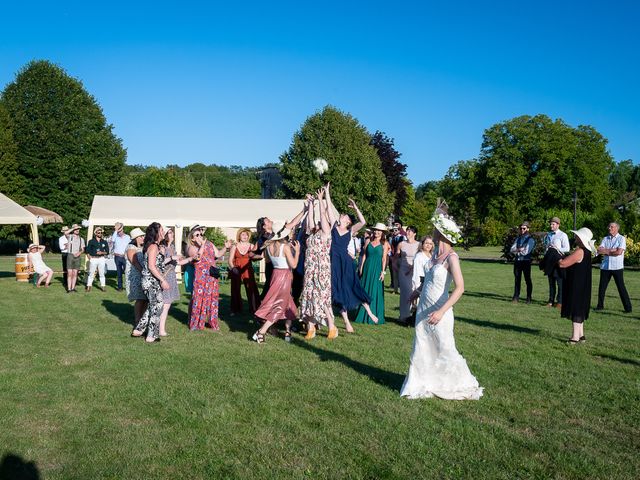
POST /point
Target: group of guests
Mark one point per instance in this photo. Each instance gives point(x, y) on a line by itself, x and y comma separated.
point(569, 273)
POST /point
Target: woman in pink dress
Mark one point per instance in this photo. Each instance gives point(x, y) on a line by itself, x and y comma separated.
point(278, 304)
point(203, 308)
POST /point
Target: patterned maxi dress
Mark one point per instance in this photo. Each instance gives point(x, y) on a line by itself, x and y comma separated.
point(173, 294)
point(204, 299)
point(150, 321)
point(316, 291)
point(133, 277)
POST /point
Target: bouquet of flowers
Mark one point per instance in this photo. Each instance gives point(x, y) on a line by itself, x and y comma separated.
point(321, 165)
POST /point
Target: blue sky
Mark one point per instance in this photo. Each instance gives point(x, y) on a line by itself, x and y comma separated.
point(186, 82)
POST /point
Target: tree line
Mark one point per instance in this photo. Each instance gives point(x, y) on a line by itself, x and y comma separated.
point(57, 150)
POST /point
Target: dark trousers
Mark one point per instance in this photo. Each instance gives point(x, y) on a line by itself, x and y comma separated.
point(555, 279)
point(519, 268)
point(605, 277)
point(64, 269)
point(121, 265)
point(251, 289)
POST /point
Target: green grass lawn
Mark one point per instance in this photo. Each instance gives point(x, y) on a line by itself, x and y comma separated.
point(80, 399)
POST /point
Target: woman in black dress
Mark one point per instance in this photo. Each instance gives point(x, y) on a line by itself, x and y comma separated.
point(576, 293)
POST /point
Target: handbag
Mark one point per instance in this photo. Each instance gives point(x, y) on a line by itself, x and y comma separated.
point(214, 271)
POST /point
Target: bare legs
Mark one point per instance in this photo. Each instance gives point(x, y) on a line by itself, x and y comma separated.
point(72, 278)
point(163, 319)
point(259, 335)
point(578, 332)
point(45, 277)
point(311, 327)
point(348, 325)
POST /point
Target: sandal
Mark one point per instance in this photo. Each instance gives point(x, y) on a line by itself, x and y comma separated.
point(258, 337)
point(571, 341)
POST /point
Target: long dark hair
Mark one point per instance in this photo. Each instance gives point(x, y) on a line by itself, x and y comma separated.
point(151, 235)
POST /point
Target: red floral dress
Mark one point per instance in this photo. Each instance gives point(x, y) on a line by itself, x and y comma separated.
point(204, 300)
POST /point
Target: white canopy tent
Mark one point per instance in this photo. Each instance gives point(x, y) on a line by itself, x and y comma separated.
point(13, 214)
point(228, 214)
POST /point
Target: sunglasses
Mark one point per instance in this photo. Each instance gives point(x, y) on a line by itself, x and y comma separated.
point(523, 228)
point(197, 234)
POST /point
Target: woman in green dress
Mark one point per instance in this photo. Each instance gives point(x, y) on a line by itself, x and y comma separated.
point(372, 271)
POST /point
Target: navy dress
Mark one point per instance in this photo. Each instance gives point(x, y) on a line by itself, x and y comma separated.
point(346, 291)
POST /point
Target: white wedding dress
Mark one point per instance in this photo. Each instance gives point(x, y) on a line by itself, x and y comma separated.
point(436, 368)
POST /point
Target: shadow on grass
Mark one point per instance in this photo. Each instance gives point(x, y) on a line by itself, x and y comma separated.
point(13, 467)
point(122, 311)
point(7, 274)
point(494, 296)
point(391, 380)
point(628, 361)
point(499, 326)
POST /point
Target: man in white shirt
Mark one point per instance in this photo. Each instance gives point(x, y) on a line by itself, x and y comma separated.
point(612, 249)
point(559, 240)
point(63, 244)
point(120, 240)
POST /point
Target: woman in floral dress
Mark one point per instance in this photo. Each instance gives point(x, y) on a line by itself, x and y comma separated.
point(315, 304)
point(203, 308)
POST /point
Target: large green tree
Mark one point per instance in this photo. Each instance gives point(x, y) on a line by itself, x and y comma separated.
point(66, 150)
point(354, 166)
point(394, 170)
point(530, 164)
point(11, 183)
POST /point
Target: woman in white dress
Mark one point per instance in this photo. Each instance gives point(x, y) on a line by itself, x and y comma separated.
point(436, 368)
point(35, 257)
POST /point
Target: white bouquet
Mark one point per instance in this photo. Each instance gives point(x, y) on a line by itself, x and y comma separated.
point(321, 165)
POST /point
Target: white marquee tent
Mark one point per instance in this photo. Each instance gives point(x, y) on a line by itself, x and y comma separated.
point(13, 214)
point(229, 214)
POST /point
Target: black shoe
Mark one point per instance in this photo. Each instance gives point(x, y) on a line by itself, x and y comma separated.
point(599, 308)
point(528, 302)
point(627, 311)
point(583, 339)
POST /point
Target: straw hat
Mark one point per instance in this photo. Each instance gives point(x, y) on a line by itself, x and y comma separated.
point(33, 245)
point(136, 232)
point(118, 226)
point(586, 237)
point(98, 230)
point(379, 226)
point(64, 229)
point(75, 226)
point(241, 231)
point(197, 227)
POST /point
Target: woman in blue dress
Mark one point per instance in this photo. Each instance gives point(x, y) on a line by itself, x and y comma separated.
point(346, 291)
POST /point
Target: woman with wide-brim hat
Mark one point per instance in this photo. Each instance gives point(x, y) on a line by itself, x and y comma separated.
point(372, 271)
point(45, 274)
point(576, 293)
point(436, 368)
point(133, 273)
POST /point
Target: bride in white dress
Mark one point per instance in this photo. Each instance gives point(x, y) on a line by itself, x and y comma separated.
point(436, 368)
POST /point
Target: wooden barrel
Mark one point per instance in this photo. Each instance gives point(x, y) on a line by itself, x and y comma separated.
point(22, 267)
